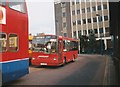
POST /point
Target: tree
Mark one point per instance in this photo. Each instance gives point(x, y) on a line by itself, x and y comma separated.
point(83, 43)
point(92, 42)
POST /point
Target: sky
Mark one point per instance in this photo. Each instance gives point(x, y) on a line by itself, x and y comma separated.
point(41, 16)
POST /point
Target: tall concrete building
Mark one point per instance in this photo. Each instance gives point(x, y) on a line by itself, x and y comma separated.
point(82, 17)
point(63, 18)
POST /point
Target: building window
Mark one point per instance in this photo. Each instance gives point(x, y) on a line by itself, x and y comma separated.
point(73, 3)
point(84, 32)
point(83, 10)
point(13, 42)
point(73, 12)
point(104, 6)
point(99, 7)
point(82, 0)
point(88, 9)
point(65, 34)
point(84, 21)
point(64, 24)
point(94, 8)
point(89, 31)
point(79, 32)
point(3, 42)
point(63, 4)
point(77, 1)
point(101, 30)
point(95, 31)
point(87, 0)
point(89, 20)
point(107, 29)
point(2, 3)
point(105, 18)
point(94, 19)
point(64, 14)
point(74, 23)
point(100, 18)
point(78, 21)
point(78, 11)
point(74, 33)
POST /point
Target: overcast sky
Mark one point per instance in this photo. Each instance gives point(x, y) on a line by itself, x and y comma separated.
point(41, 16)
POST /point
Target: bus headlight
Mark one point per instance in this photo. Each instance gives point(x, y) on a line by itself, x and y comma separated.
point(54, 59)
point(33, 58)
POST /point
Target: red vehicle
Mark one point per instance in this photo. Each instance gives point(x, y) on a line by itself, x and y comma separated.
point(52, 50)
point(14, 62)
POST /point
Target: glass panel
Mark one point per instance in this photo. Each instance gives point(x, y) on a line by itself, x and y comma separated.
point(45, 44)
point(104, 6)
point(13, 42)
point(99, 7)
point(3, 2)
point(18, 6)
point(105, 18)
point(94, 8)
point(3, 42)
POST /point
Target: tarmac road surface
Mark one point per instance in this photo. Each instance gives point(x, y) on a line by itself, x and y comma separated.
point(86, 70)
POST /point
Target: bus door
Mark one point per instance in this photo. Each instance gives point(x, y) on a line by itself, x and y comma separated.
point(60, 49)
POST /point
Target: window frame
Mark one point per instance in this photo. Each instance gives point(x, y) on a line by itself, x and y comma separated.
point(101, 30)
point(88, 9)
point(25, 11)
point(64, 14)
point(94, 8)
point(96, 31)
point(106, 16)
point(73, 12)
point(2, 3)
point(104, 6)
point(89, 20)
point(6, 43)
point(94, 19)
point(99, 7)
point(83, 10)
point(17, 43)
point(78, 11)
point(79, 22)
point(74, 23)
point(84, 21)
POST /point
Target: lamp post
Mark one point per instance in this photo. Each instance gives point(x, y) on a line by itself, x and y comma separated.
point(101, 44)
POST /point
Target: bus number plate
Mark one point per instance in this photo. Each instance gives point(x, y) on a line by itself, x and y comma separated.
point(43, 63)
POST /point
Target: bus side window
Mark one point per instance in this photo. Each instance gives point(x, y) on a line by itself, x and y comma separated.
point(18, 6)
point(2, 2)
point(3, 39)
point(13, 43)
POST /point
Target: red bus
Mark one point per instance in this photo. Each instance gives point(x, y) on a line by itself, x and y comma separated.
point(52, 50)
point(14, 61)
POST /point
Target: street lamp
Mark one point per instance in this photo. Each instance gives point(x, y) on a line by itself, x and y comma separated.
point(101, 44)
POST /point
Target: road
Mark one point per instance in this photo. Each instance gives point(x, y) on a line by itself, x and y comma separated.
point(86, 70)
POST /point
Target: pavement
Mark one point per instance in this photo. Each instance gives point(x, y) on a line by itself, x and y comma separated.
point(110, 77)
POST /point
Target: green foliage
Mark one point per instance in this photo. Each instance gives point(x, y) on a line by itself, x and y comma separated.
point(83, 42)
point(92, 42)
point(87, 43)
